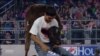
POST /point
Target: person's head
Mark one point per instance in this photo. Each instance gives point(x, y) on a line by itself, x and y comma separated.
point(53, 34)
point(50, 13)
point(8, 35)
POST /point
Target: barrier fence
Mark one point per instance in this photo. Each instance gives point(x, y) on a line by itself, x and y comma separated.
point(71, 34)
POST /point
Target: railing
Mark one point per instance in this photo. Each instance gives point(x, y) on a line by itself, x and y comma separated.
point(71, 35)
point(83, 34)
point(7, 6)
point(14, 34)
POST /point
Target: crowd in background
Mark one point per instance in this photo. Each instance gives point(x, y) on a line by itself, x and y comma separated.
point(80, 20)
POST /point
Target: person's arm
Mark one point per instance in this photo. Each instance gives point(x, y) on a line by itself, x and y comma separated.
point(39, 42)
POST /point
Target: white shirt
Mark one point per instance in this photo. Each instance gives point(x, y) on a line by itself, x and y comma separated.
point(40, 23)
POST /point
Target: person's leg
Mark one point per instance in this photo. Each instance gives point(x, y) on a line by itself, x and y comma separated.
point(39, 51)
point(61, 51)
point(64, 52)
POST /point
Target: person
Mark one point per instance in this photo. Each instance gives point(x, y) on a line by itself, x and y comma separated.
point(8, 36)
point(46, 21)
point(31, 13)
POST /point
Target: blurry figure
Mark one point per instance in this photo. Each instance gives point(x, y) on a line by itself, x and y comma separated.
point(97, 52)
point(65, 36)
point(98, 27)
point(22, 25)
point(66, 12)
point(21, 37)
point(77, 29)
point(77, 33)
point(89, 33)
point(91, 9)
point(8, 38)
point(7, 25)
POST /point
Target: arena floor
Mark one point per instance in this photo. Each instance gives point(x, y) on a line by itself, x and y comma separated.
point(16, 50)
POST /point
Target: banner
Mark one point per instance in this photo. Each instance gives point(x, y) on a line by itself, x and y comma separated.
point(81, 50)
